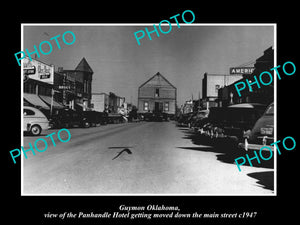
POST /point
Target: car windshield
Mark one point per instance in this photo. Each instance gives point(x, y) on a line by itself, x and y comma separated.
point(270, 110)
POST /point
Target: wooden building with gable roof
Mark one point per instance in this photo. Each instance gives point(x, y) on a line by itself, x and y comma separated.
point(157, 94)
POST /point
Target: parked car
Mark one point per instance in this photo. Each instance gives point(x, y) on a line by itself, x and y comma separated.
point(214, 120)
point(148, 116)
point(183, 119)
point(262, 133)
point(34, 121)
point(133, 115)
point(159, 116)
point(232, 121)
point(68, 118)
point(92, 118)
point(242, 117)
point(156, 116)
point(103, 117)
point(198, 120)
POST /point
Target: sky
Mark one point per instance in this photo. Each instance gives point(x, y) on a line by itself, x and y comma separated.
point(182, 56)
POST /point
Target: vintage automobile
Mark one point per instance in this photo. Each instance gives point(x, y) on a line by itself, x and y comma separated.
point(34, 121)
point(214, 120)
point(262, 133)
point(232, 121)
point(133, 115)
point(159, 116)
point(183, 119)
point(198, 120)
point(241, 117)
point(94, 118)
point(155, 116)
point(66, 118)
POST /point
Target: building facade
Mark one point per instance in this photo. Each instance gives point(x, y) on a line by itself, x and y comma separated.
point(39, 86)
point(157, 94)
point(211, 83)
point(264, 95)
point(65, 88)
point(99, 101)
point(62, 88)
point(110, 102)
point(82, 76)
point(38, 77)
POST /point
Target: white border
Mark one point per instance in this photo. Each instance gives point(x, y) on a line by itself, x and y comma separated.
point(151, 24)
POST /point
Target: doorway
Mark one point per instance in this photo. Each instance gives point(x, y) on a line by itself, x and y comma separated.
point(158, 107)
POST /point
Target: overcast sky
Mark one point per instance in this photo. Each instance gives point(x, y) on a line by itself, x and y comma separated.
point(120, 65)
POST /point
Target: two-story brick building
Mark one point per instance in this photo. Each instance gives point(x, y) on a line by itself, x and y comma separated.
point(157, 94)
point(83, 76)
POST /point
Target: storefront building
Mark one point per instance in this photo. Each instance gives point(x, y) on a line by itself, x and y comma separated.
point(107, 102)
point(82, 76)
point(38, 86)
point(211, 83)
point(265, 95)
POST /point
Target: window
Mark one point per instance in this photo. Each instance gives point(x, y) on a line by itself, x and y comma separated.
point(157, 92)
point(146, 106)
point(28, 112)
point(270, 110)
point(166, 108)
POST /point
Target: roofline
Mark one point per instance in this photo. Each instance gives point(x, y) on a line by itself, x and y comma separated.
point(102, 93)
point(51, 65)
point(84, 59)
point(215, 74)
point(154, 76)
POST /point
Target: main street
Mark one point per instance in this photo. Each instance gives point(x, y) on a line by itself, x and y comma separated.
point(163, 160)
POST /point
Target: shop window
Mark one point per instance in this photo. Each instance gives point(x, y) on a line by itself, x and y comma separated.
point(166, 108)
point(146, 106)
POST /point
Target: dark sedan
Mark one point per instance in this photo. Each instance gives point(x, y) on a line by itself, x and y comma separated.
point(262, 133)
point(68, 118)
point(231, 122)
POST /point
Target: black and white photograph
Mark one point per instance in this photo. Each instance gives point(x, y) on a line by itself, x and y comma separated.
point(150, 114)
point(147, 116)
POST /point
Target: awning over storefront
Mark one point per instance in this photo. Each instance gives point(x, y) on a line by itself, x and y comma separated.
point(55, 104)
point(35, 100)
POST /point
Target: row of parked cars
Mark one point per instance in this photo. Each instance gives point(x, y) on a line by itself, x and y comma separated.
point(246, 125)
point(35, 121)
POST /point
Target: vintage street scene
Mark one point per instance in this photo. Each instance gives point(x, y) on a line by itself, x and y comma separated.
point(162, 117)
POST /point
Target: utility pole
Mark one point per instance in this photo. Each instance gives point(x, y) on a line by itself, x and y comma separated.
point(52, 93)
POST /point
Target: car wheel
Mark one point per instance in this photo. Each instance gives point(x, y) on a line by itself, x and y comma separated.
point(35, 130)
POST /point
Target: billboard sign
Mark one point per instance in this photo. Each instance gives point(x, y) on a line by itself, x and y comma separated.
point(241, 70)
point(38, 70)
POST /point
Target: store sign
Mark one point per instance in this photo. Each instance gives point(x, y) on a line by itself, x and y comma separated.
point(38, 71)
point(241, 70)
point(45, 76)
point(62, 87)
point(29, 70)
